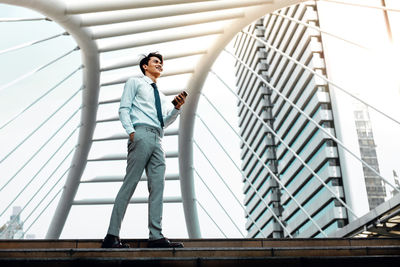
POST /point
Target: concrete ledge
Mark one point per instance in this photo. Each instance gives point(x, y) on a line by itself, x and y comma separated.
point(162, 253)
point(370, 219)
point(205, 243)
point(366, 261)
point(205, 252)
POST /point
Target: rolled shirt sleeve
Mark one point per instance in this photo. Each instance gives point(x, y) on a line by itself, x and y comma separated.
point(171, 116)
point(126, 105)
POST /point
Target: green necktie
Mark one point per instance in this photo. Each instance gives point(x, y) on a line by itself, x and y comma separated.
point(158, 104)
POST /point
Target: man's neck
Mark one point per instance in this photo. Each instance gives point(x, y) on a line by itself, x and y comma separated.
point(153, 78)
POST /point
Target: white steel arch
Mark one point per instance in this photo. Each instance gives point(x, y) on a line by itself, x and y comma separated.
point(88, 22)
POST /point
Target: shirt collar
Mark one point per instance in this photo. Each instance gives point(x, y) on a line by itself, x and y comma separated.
point(147, 79)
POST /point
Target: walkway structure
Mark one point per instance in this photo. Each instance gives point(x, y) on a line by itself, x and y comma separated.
point(102, 28)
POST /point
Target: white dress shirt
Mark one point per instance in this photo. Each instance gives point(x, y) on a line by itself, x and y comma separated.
point(137, 106)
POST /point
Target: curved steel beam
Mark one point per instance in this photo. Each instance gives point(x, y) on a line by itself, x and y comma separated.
point(55, 10)
point(188, 115)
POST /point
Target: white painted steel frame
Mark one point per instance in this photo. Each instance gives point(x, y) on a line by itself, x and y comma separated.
point(68, 16)
point(196, 84)
point(55, 10)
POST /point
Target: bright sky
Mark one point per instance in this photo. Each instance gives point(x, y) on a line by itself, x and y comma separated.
point(17, 97)
point(372, 75)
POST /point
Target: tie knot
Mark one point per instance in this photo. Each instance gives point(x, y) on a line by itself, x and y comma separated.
point(154, 86)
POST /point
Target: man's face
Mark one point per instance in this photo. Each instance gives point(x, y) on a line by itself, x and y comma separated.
point(154, 67)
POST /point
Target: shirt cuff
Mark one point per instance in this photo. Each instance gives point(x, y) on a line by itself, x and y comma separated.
point(176, 111)
point(130, 130)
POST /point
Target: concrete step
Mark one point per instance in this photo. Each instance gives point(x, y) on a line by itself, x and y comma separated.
point(367, 261)
point(210, 262)
point(201, 252)
point(204, 252)
point(207, 243)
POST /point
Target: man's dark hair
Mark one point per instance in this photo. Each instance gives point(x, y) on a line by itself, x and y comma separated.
point(145, 60)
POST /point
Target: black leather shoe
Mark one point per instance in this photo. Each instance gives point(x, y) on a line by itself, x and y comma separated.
point(112, 241)
point(163, 243)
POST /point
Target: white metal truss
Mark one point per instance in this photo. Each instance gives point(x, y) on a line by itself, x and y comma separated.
point(100, 26)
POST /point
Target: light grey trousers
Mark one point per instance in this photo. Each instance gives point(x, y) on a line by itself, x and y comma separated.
point(144, 153)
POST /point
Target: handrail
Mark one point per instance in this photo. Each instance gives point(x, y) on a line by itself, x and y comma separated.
point(27, 44)
point(45, 208)
point(272, 175)
point(211, 218)
point(219, 175)
point(44, 122)
point(362, 5)
point(318, 75)
point(314, 122)
point(41, 187)
point(37, 173)
point(237, 167)
point(30, 73)
point(41, 97)
point(22, 19)
point(219, 203)
point(290, 149)
point(217, 172)
point(319, 29)
point(40, 149)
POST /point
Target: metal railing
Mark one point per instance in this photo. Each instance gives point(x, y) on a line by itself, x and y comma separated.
point(36, 203)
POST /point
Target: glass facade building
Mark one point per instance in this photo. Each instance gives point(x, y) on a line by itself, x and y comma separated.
point(313, 146)
point(375, 187)
point(283, 47)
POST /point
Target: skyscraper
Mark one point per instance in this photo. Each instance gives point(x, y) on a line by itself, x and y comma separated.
point(281, 49)
point(375, 187)
point(13, 229)
point(318, 150)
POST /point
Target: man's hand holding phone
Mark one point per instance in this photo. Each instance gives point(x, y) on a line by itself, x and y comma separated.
point(179, 100)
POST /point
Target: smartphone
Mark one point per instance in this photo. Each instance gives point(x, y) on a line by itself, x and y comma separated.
point(174, 101)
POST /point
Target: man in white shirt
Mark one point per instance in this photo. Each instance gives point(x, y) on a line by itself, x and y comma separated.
point(144, 113)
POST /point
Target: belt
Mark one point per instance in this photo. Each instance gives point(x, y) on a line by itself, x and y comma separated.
point(152, 129)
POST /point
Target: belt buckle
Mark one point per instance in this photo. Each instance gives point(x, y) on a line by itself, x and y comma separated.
point(151, 129)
